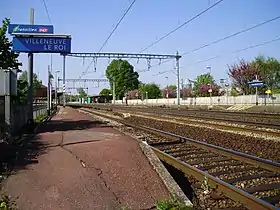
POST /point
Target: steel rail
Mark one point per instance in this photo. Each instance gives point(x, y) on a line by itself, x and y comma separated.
point(249, 123)
point(229, 112)
point(230, 191)
point(267, 125)
point(236, 121)
point(226, 127)
point(250, 159)
point(252, 123)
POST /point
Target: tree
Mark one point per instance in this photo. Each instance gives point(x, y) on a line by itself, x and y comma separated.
point(22, 87)
point(204, 90)
point(8, 59)
point(152, 89)
point(36, 82)
point(172, 87)
point(21, 97)
point(133, 94)
point(81, 92)
point(105, 91)
point(270, 71)
point(186, 92)
point(203, 83)
point(242, 73)
point(123, 75)
point(169, 93)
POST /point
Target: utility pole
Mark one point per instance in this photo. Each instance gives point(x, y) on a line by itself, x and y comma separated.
point(56, 83)
point(114, 91)
point(30, 78)
point(257, 103)
point(63, 78)
point(209, 68)
point(114, 82)
point(51, 76)
point(178, 78)
point(166, 87)
point(48, 91)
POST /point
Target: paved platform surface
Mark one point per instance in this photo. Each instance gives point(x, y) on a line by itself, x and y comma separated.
point(85, 165)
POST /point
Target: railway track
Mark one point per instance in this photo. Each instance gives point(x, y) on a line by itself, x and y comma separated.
point(270, 121)
point(249, 180)
point(223, 126)
point(260, 120)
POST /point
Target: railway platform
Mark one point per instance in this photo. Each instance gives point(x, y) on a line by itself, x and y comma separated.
point(82, 163)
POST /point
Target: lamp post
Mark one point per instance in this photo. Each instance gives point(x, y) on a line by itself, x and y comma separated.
point(209, 69)
point(166, 87)
point(227, 85)
point(210, 92)
point(56, 82)
point(137, 97)
point(49, 91)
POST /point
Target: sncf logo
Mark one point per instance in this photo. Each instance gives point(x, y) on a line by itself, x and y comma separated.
point(43, 30)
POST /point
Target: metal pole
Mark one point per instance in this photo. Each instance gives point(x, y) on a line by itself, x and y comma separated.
point(30, 78)
point(257, 92)
point(55, 93)
point(227, 94)
point(48, 91)
point(114, 82)
point(178, 79)
point(114, 91)
point(257, 96)
point(211, 98)
point(63, 75)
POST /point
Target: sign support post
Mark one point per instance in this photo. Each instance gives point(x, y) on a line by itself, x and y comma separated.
point(256, 83)
point(257, 103)
point(30, 77)
point(48, 92)
point(178, 79)
point(114, 92)
point(63, 78)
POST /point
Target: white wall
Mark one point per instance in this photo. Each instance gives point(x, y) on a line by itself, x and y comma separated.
point(217, 100)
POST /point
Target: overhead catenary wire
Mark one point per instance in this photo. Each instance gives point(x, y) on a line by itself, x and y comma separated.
point(232, 35)
point(185, 23)
point(47, 11)
point(240, 50)
point(224, 38)
point(222, 55)
point(49, 19)
point(114, 29)
point(116, 26)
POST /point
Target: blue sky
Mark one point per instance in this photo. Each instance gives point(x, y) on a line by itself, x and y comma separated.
point(90, 22)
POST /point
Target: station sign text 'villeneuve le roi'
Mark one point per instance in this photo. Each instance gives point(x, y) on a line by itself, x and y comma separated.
point(42, 44)
point(38, 39)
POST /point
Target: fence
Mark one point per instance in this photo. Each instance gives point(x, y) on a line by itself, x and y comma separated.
point(19, 117)
point(216, 100)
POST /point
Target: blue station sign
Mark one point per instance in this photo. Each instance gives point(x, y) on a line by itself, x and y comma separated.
point(42, 44)
point(30, 29)
point(256, 83)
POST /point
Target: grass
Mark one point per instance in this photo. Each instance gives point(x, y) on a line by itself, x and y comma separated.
point(6, 203)
point(172, 205)
point(40, 118)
